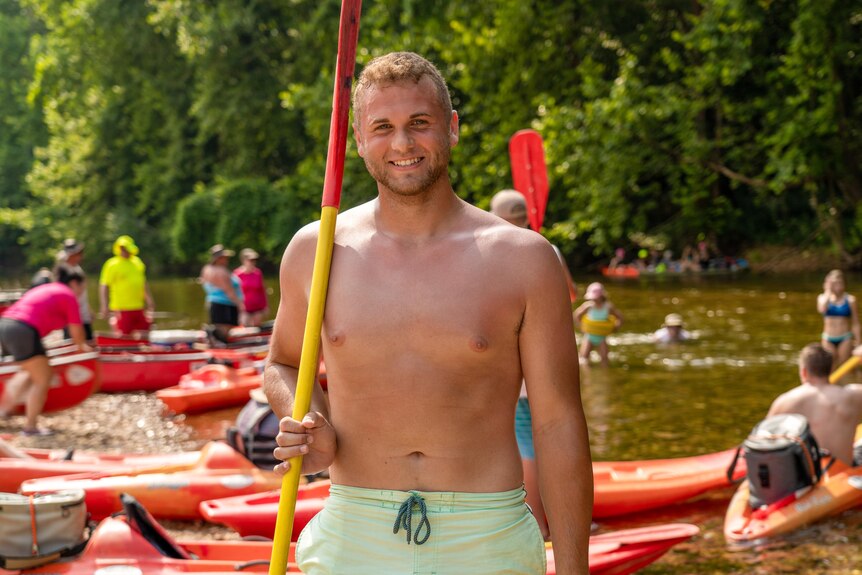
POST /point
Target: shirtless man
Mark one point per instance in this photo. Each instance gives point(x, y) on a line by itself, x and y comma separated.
point(832, 411)
point(435, 312)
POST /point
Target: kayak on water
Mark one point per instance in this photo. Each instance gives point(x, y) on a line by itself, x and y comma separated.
point(170, 492)
point(134, 542)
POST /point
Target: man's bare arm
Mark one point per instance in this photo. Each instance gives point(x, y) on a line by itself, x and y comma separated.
point(280, 374)
point(549, 357)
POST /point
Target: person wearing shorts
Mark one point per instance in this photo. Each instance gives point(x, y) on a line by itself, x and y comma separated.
point(253, 289)
point(223, 294)
point(443, 533)
point(436, 312)
point(40, 311)
point(123, 290)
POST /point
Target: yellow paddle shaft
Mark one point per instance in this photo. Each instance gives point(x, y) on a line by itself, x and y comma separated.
point(309, 363)
point(844, 368)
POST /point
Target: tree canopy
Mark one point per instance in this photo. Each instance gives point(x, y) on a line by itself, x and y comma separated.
point(186, 124)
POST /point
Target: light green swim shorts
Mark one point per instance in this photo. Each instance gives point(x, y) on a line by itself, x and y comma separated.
point(377, 532)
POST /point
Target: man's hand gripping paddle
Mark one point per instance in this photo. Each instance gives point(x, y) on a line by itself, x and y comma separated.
point(348, 33)
point(529, 174)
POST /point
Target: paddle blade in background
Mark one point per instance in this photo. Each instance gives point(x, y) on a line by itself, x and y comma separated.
point(529, 174)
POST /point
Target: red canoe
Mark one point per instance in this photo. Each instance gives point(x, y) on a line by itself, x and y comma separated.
point(134, 370)
point(170, 492)
point(620, 487)
point(76, 376)
point(136, 543)
point(53, 462)
point(211, 387)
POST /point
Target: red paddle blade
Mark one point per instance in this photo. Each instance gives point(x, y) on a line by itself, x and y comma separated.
point(529, 174)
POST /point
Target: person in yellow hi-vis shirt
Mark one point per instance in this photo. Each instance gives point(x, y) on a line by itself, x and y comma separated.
point(123, 289)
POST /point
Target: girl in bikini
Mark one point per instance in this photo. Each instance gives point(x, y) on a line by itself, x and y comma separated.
point(841, 331)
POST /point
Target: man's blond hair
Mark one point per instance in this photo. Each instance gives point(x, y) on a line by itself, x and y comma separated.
point(398, 67)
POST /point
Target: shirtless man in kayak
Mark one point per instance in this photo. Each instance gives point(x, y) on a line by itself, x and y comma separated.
point(832, 411)
point(435, 312)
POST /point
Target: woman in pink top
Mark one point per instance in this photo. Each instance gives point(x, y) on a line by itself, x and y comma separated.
point(253, 290)
point(40, 311)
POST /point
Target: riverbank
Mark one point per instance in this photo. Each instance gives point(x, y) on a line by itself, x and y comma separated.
point(792, 259)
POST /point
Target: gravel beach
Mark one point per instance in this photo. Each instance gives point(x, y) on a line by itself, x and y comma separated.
point(130, 423)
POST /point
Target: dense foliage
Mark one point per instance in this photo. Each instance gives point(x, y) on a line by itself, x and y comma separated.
point(185, 123)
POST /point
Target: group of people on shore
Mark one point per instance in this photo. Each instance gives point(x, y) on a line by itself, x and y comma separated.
point(695, 258)
point(58, 299)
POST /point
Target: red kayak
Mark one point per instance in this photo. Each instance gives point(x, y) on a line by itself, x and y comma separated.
point(125, 370)
point(53, 462)
point(620, 487)
point(623, 487)
point(211, 387)
point(169, 492)
point(136, 543)
point(76, 376)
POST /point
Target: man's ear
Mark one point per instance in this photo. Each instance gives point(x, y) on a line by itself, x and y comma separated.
point(454, 135)
point(357, 137)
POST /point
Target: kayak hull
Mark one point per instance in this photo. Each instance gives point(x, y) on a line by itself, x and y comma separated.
point(119, 544)
point(838, 491)
point(127, 371)
point(170, 492)
point(53, 462)
point(620, 487)
point(76, 377)
point(211, 387)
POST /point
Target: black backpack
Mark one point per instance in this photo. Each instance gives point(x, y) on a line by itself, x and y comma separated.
point(255, 432)
point(782, 457)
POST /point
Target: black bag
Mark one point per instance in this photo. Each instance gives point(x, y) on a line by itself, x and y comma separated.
point(782, 457)
point(255, 432)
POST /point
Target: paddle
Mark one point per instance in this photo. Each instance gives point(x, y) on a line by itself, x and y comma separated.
point(348, 33)
point(529, 174)
point(844, 368)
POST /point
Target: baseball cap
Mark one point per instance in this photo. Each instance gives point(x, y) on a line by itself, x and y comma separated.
point(509, 205)
point(249, 254)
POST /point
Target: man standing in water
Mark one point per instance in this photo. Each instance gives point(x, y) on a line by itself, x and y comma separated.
point(435, 312)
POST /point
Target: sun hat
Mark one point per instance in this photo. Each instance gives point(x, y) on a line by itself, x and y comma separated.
point(218, 251)
point(595, 290)
point(509, 205)
point(72, 246)
point(673, 320)
point(248, 254)
point(125, 242)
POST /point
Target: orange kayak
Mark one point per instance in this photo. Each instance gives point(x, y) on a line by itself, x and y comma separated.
point(210, 387)
point(52, 462)
point(135, 543)
point(839, 489)
point(170, 492)
point(620, 487)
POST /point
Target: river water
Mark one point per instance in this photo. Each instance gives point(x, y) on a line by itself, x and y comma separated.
point(671, 401)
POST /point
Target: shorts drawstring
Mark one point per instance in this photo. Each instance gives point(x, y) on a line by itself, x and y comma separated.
point(405, 513)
